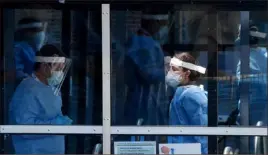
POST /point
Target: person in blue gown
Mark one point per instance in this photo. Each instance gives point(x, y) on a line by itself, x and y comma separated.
point(189, 104)
point(145, 71)
point(35, 103)
point(257, 80)
point(29, 38)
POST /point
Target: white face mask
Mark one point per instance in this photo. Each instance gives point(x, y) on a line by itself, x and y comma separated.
point(172, 79)
point(162, 35)
point(56, 78)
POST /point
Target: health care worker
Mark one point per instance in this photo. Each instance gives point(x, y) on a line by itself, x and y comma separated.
point(29, 38)
point(257, 80)
point(145, 71)
point(189, 104)
point(37, 101)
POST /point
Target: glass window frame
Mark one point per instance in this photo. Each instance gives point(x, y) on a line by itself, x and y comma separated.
point(106, 129)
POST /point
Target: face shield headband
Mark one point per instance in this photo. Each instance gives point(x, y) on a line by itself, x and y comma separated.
point(57, 77)
point(253, 33)
point(155, 17)
point(39, 25)
point(178, 63)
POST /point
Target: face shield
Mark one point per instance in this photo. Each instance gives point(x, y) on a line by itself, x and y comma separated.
point(178, 63)
point(58, 69)
point(254, 33)
point(174, 78)
point(39, 38)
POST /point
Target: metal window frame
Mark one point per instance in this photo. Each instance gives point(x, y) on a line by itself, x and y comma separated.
point(244, 87)
point(133, 130)
point(106, 83)
point(107, 130)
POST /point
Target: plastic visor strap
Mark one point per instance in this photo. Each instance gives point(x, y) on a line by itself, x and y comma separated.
point(179, 63)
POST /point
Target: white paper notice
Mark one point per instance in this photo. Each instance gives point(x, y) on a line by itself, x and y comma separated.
point(186, 148)
point(135, 147)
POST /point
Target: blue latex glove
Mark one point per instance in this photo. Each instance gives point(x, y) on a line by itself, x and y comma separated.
point(63, 120)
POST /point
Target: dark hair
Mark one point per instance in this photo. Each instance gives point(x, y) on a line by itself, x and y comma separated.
point(48, 50)
point(186, 57)
point(22, 33)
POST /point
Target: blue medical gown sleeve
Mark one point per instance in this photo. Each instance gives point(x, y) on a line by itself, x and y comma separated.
point(148, 58)
point(19, 63)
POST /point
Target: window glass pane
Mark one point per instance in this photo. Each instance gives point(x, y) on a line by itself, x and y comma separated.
point(75, 92)
point(143, 42)
point(139, 89)
point(242, 82)
point(163, 145)
point(52, 144)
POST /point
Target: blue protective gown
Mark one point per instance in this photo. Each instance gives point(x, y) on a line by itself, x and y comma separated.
point(257, 87)
point(257, 84)
point(189, 108)
point(34, 103)
point(145, 80)
point(24, 59)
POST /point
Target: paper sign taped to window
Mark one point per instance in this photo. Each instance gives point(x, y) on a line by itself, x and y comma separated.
point(145, 147)
point(186, 148)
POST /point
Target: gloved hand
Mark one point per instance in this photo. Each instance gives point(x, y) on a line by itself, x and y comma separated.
point(63, 120)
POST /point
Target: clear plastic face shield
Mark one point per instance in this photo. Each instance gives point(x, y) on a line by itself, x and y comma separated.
point(58, 69)
point(253, 33)
point(174, 77)
point(39, 38)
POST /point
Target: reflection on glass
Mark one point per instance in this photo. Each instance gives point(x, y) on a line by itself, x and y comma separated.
point(229, 86)
point(256, 80)
point(149, 81)
point(29, 38)
point(140, 94)
point(140, 88)
point(85, 103)
point(85, 146)
point(27, 30)
point(38, 89)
